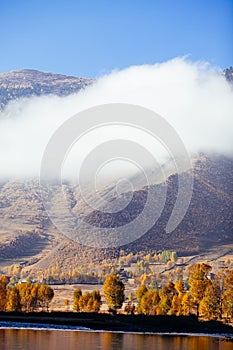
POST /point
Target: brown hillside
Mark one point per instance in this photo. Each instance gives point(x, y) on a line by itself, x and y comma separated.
point(26, 233)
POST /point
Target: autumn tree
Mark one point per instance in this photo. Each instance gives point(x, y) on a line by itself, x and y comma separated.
point(34, 289)
point(85, 302)
point(187, 304)
point(45, 296)
point(77, 295)
point(89, 302)
point(33, 296)
point(198, 283)
point(149, 302)
point(96, 298)
point(114, 292)
point(176, 307)
point(210, 303)
point(227, 298)
point(179, 287)
point(13, 300)
point(26, 296)
point(166, 296)
point(3, 292)
point(142, 289)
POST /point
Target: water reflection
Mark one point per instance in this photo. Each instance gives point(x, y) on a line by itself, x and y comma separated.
point(25, 339)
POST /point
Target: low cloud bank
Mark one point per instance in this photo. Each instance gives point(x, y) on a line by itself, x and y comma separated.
point(194, 98)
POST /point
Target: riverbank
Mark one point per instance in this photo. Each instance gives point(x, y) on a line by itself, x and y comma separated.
point(122, 323)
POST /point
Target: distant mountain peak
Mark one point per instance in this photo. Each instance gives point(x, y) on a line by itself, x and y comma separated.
point(229, 74)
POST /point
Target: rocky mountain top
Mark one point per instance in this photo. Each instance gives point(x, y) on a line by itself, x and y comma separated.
point(229, 74)
point(29, 82)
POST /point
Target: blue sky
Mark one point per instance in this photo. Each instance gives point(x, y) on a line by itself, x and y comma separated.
point(92, 37)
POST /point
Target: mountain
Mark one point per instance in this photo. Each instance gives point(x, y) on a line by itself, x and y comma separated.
point(229, 74)
point(29, 82)
point(208, 221)
point(28, 235)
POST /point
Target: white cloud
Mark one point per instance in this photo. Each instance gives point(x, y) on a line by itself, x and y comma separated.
point(193, 97)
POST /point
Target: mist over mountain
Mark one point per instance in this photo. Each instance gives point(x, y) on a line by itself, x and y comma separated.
point(196, 101)
point(27, 233)
point(193, 97)
point(25, 83)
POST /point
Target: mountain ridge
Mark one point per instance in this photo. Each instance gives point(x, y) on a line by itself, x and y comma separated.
point(26, 82)
point(30, 82)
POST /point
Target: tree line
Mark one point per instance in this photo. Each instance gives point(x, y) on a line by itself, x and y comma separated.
point(203, 296)
point(25, 297)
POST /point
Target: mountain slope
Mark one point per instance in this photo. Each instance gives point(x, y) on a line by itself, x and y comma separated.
point(29, 82)
point(207, 223)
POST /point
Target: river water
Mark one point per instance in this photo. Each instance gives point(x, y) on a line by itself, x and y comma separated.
point(68, 339)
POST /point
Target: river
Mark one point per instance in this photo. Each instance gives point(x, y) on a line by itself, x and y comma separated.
point(70, 339)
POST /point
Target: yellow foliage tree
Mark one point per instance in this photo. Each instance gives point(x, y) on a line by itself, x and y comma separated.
point(227, 298)
point(198, 283)
point(89, 302)
point(45, 296)
point(210, 304)
point(176, 307)
point(187, 304)
point(26, 296)
point(179, 287)
point(167, 294)
point(142, 289)
point(13, 300)
point(114, 292)
point(77, 295)
point(3, 292)
point(150, 302)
